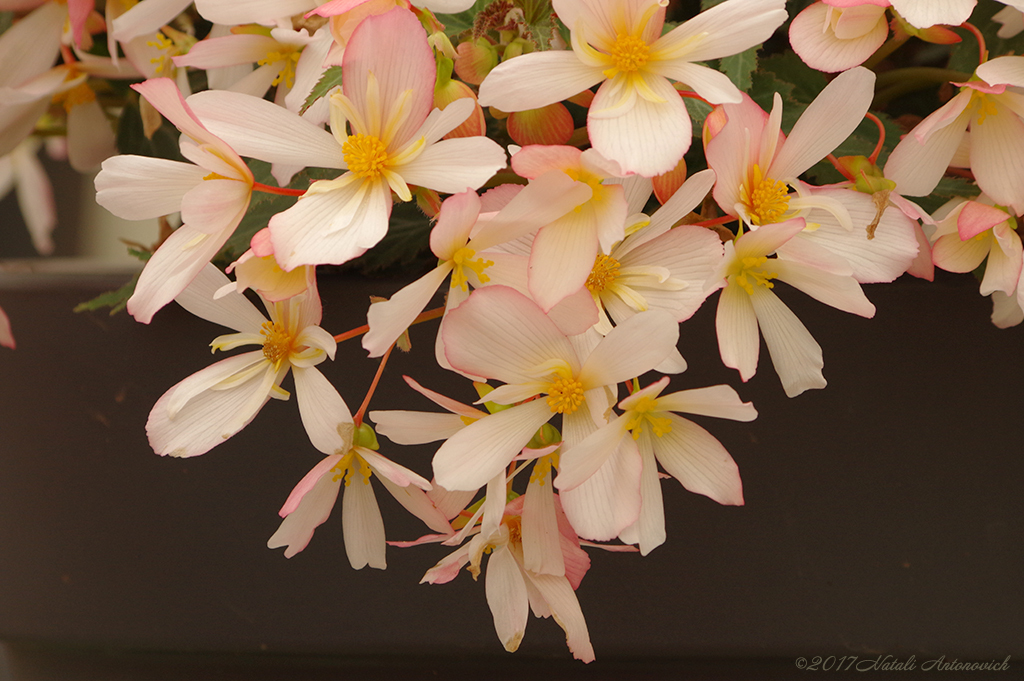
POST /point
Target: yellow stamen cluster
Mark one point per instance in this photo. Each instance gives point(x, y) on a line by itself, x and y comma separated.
point(80, 94)
point(643, 412)
point(365, 155)
point(514, 524)
point(463, 258)
point(769, 199)
point(163, 60)
point(542, 468)
point(604, 272)
point(985, 106)
point(278, 343)
point(630, 53)
point(748, 277)
point(593, 181)
point(287, 73)
point(565, 395)
point(347, 467)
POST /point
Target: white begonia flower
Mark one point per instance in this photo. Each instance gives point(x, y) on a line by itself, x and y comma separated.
point(212, 405)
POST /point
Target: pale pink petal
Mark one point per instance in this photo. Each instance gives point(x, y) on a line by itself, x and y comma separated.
point(824, 50)
point(975, 218)
point(6, 336)
point(388, 319)
point(455, 221)
point(450, 503)
point(1008, 70)
point(833, 115)
point(648, 139)
point(684, 200)
point(499, 333)
point(698, 460)
point(562, 258)
point(210, 417)
point(260, 129)
point(171, 268)
point(232, 309)
point(712, 85)
point(331, 227)
point(576, 313)
point(447, 568)
point(362, 524)
point(1006, 310)
point(214, 206)
point(1003, 267)
point(35, 196)
point(385, 468)
point(478, 452)
point(925, 13)
point(31, 45)
point(997, 157)
point(917, 167)
point(535, 160)
point(407, 64)
point(415, 500)
point(232, 12)
point(579, 462)
point(325, 416)
point(454, 165)
point(631, 349)
point(166, 98)
point(229, 50)
point(139, 187)
point(542, 552)
point(534, 80)
point(315, 507)
point(795, 353)
point(953, 255)
point(649, 529)
point(308, 482)
point(609, 500)
point(90, 137)
point(736, 325)
point(725, 29)
point(446, 402)
point(506, 597)
point(720, 401)
point(414, 427)
point(736, 146)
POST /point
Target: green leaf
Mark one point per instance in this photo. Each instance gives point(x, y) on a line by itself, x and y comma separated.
point(789, 68)
point(6, 21)
point(454, 24)
point(708, 4)
point(330, 80)
point(739, 67)
point(948, 188)
point(698, 111)
point(115, 300)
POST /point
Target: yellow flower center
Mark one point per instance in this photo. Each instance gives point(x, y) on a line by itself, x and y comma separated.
point(769, 199)
point(347, 467)
point(278, 343)
point(984, 106)
point(630, 53)
point(604, 272)
point(80, 94)
point(750, 276)
point(365, 155)
point(542, 468)
point(565, 395)
point(290, 57)
point(643, 411)
point(463, 258)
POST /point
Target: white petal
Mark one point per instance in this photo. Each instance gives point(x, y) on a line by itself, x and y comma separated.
point(363, 526)
point(298, 526)
point(138, 187)
point(795, 353)
point(698, 460)
point(455, 165)
point(324, 413)
point(506, 597)
point(537, 79)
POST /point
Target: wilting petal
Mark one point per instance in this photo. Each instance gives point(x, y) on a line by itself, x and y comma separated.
point(506, 597)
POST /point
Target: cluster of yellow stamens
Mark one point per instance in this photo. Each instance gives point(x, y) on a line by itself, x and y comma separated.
point(565, 394)
point(985, 106)
point(604, 272)
point(287, 73)
point(278, 343)
point(463, 258)
point(542, 468)
point(629, 53)
point(80, 94)
point(365, 155)
point(768, 200)
point(748, 276)
point(163, 59)
point(642, 412)
point(347, 467)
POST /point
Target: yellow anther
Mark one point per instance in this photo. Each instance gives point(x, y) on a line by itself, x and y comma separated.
point(643, 411)
point(565, 395)
point(985, 106)
point(514, 524)
point(163, 60)
point(347, 468)
point(748, 276)
point(604, 272)
point(768, 200)
point(365, 155)
point(463, 258)
point(287, 73)
point(278, 343)
point(629, 54)
point(541, 470)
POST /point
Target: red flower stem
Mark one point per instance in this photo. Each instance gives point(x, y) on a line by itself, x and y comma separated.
point(982, 49)
point(881, 136)
point(693, 95)
point(282, 191)
point(715, 221)
point(358, 418)
point(360, 330)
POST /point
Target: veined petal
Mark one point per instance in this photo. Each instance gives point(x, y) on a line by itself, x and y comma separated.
point(233, 12)
point(736, 324)
point(926, 13)
point(308, 482)
point(649, 529)
point(146, 17)
point(388, 319)
point(139, 187)
point(362, 524)
point(826, 51)
point(481, 450)
point(833, 115)
point(260, 129)
point(581, 461)
point(325, 416)
point(562, 602)
point(997, 157)
point(648, 139)
point(542, 541)
point(917, 167)
point(416, 501)
point(630, 349)
point(215, 206)
point(315, 507)
point(455, 165)
point(695, 458)
point(416, 428)
point(506, 597)
point(840, 292)
point(608, 501)
point(563, 255)
point(712, 85)
point(1003, 267)
point(232, 309)
point(534, 80)
point(727, 28)
point(720, 401)
point(795, 353)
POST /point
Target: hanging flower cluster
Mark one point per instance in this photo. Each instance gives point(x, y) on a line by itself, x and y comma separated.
point(591, 172)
